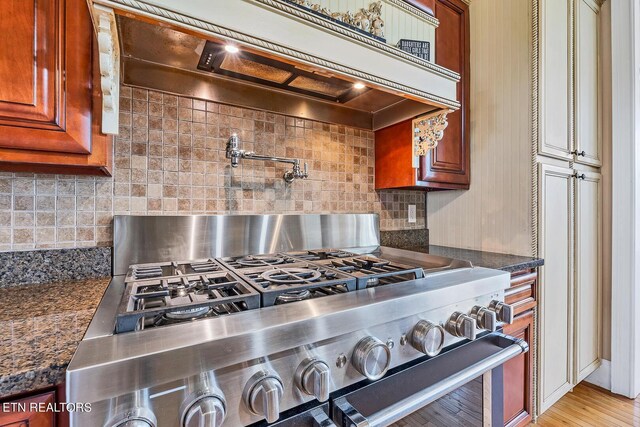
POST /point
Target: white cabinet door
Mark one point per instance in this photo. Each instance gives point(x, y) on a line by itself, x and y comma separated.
point(588, 271)
point(555, 230)
point(555, 79)
point(587, 94)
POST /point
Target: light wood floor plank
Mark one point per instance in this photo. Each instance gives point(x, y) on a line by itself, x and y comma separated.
point(557, 418)
point(591, 406)
point(621, 412)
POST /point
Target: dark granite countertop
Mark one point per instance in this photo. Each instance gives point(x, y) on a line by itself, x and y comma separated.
point(510, 263)
point(40, 328)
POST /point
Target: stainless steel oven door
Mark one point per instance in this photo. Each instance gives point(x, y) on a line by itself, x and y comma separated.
point(462, 386)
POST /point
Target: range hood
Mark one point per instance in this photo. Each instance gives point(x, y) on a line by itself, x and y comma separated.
point(294, 57)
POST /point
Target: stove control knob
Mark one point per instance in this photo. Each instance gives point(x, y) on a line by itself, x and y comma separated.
point(504, 312)
point(371, 358)
point(207, 410)
point(427, 337)
point(262, 395)
point(485, 318)
point(132, 410)
point(134, 417)
point(461, 325)
point(312, 378)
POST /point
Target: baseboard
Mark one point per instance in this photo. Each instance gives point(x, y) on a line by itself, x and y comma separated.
point(601, 376)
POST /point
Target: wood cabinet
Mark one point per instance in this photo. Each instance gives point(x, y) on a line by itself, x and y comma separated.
point(49, 101)
point(518, 375)
point(23, 412)
point(556, 295)
point(588, 274)
point(556, 79)
point(569, 200)
point(518, 372)
point(570, 228)
point(588, 145)
point(448, 165)
point(569, 81)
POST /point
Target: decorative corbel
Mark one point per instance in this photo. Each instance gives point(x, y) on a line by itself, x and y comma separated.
point(428, 130)
point(104, 22)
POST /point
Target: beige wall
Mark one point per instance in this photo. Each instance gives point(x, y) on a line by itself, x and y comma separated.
point(495, 214)
point(170, 160)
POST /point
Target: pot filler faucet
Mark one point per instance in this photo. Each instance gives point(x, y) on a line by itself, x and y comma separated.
point(235, 154)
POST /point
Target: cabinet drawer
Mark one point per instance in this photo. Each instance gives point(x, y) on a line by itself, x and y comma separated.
point(23, 412)
point(523, 290)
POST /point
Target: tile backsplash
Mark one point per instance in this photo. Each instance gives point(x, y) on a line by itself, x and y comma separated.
point(170, 160)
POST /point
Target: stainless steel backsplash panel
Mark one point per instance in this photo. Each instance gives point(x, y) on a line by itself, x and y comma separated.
point(140, 239)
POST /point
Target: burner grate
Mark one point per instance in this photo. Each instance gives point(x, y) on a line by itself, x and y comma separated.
point(281, 284)
point(169, 269)
point(252, 261)
point(371, 271)
point(321, 254)
point(162, 301)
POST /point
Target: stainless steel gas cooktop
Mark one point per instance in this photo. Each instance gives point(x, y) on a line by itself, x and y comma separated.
point(166, 293)
point(260, 323)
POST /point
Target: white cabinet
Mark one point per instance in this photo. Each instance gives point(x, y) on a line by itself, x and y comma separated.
point(570, 241)
point(588, 273)
point(569, 195)
point(555, 76)
point(588, 137)
point(555, 228)
point(568, 73)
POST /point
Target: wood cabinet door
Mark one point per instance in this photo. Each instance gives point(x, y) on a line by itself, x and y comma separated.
point(29, 417)
point(555, 302)
point(518, 374)
point(449, 162)
point(555, 79)
point(587, 94)
point(588, 274)
point(45, 76)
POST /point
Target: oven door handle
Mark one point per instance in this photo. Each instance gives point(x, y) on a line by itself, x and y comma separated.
point(352, 418)
point(321, 419)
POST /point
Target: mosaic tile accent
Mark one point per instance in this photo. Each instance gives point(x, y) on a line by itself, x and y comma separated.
point(169, 159)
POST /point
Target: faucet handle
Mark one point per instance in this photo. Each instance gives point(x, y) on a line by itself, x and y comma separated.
point(305, 174)
point(232, 151)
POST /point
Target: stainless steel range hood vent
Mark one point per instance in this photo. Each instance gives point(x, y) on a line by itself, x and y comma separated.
point(290, 61)
point(259, 69)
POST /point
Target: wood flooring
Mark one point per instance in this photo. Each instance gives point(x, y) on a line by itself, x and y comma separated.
point(589, 406)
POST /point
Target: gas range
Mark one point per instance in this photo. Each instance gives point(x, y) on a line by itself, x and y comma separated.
point(275, 331)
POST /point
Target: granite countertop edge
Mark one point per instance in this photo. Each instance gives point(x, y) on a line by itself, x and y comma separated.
point(39, 337)
point(498, 261)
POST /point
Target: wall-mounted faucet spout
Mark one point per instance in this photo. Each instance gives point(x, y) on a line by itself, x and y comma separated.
point(235, 154)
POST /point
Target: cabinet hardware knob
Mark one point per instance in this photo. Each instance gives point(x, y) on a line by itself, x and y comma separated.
point(579, 153)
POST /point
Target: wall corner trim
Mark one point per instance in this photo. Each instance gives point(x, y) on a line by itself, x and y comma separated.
point(601, 376)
